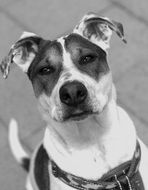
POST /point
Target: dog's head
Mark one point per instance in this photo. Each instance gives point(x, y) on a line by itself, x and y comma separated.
point(70, 76)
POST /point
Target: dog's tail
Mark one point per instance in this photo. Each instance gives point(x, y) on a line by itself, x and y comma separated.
point(19, 153)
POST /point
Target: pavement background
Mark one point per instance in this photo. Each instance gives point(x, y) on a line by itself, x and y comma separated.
point(51, 18)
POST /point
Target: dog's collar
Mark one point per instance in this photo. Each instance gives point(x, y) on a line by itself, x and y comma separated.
point(118, 176)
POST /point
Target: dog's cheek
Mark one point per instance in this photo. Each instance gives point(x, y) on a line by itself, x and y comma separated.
point(104, 90)
point(44, 106)
point(49, 109)
point(96, 99)
point(57, 108)
point(46, 93)
point(107, 85)
point(57, 112)
point(100, 92)
point(42, 85)
point(101, 102)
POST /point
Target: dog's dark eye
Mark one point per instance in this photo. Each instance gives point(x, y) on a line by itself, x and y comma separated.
point(46, 70)
point(87, 59)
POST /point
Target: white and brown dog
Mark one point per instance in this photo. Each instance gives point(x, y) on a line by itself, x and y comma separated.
point(90, 142)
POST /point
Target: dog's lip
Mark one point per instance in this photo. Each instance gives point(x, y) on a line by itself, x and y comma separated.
point(78, 115)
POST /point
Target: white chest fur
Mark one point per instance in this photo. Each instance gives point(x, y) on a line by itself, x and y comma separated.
point(92, 149)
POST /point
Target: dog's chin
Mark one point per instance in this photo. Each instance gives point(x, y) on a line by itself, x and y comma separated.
point(79, 114)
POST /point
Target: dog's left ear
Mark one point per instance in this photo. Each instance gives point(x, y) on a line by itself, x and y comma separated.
point(99, 29)
point(22, 53)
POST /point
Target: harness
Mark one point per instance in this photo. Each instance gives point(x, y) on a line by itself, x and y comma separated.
point(124, 177)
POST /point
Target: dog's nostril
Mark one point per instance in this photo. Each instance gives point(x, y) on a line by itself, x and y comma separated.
point(81, 94)
point(73, 93)
point(66, 97)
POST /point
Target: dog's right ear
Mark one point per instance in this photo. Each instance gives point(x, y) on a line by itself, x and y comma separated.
point(22, 53)
point(98, 29)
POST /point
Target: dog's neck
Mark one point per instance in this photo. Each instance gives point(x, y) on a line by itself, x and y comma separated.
point(98, 141)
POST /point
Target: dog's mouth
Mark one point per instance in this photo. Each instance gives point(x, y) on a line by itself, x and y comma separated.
point(77, 116)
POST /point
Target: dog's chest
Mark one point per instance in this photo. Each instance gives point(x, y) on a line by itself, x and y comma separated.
point(89, 163)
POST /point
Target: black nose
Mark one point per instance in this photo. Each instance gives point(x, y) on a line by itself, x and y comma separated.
point(73, 93)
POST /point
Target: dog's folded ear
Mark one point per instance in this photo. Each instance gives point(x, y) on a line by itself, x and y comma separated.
point(21, 53)
point(99, 29)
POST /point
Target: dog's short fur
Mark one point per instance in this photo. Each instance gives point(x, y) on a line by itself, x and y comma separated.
point(87, 133)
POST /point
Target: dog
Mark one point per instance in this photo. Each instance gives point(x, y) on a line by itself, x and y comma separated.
point(90, 142)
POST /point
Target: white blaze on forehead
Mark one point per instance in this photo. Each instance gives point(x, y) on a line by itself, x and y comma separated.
point(67, 61)
point(68, 65)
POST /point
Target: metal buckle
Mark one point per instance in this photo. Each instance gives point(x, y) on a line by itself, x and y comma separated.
point(128, 181)
point(54, 170)
point(119, 184)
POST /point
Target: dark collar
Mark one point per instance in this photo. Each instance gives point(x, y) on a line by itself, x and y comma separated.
point(122, 174)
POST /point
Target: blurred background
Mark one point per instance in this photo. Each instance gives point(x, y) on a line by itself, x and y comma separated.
point(50, 19)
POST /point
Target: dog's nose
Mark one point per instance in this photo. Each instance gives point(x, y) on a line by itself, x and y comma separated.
point(73, 93)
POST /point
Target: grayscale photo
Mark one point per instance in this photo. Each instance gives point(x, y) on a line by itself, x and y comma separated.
point(73, 95)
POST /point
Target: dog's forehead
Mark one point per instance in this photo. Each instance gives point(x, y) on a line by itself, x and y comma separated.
point(53, 50)
point(75, 43)
point(72, 44)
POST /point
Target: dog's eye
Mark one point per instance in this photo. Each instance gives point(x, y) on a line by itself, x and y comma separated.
point(87, 59)
point(46, 70)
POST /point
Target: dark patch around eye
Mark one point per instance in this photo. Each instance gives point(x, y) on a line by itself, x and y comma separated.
point(48, 70)
point(79, 47)
point(50, 56)
point(87, 59)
